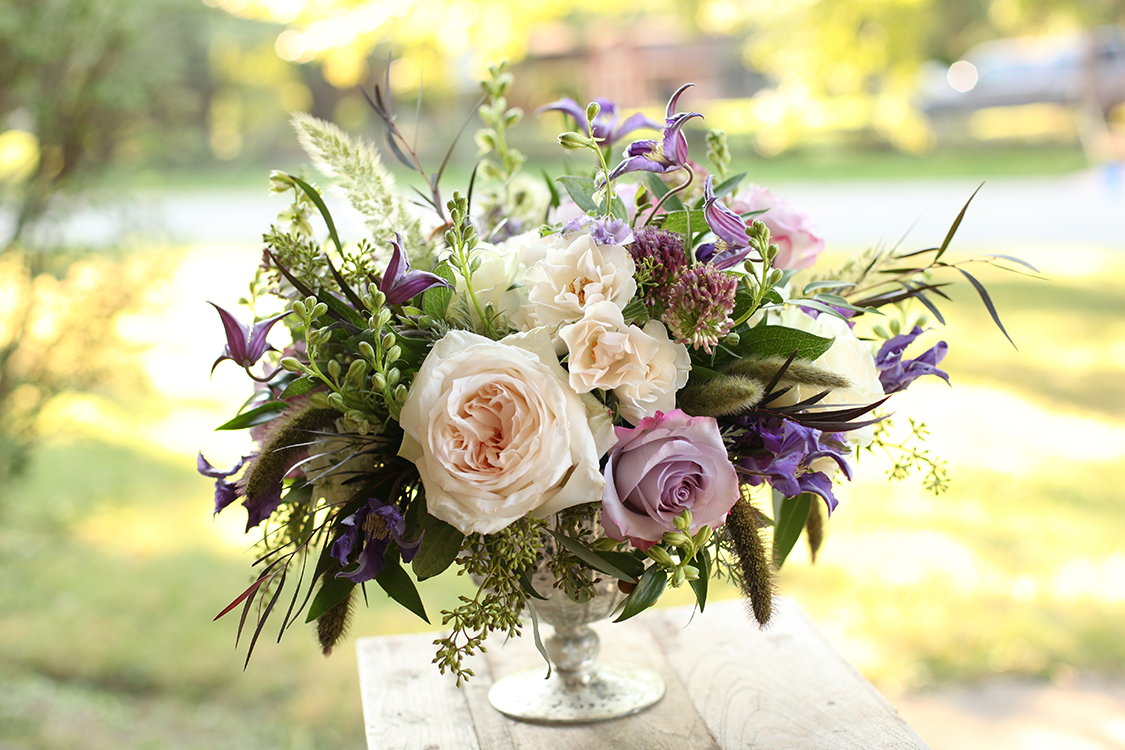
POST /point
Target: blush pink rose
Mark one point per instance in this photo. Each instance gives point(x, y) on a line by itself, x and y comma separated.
point(790, 229)
point(667, 464)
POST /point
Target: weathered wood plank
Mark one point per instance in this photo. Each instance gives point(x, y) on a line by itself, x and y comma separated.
point(407, 703)
point(672, 724)
point(779, 689)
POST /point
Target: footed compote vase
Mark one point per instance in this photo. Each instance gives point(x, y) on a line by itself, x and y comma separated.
point(580, 689)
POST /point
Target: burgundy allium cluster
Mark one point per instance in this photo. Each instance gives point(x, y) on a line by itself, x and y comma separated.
point(784, 452)
point(699, 306)
point(662, 254)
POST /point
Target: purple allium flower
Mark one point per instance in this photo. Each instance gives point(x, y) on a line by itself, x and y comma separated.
point(605, 127)
point(377, 524)
point(895, 374)
point(663, 255)
point(667, 154)
point(699, 306)
point(603, 229)
point(783, 452)
point(245, 346)
point(400, 283)
point(733, 243)
point(225, 492)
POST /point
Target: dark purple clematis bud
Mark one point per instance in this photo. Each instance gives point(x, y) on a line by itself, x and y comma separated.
point(376, 524)
point(400, 283)
point(666, 155)
point(895, 374)
point(733, 243)
point(605, 127)
point(225, 492)
point(245, 346)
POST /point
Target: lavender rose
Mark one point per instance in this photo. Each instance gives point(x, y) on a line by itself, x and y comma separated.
point(666, 464)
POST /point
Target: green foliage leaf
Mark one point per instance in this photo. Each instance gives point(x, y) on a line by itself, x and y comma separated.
point(262, 414)
point(815, 286)
point(781, 341)
point(298, 387)
point(596, 560)
point(836, 300)
point(440, 545)
point(332, 592)
point(581, 190)
point(677, 221)
point(648, 590)
point(699, 586)
point(314, 196)
point(397, 583)
point(789, 522)
point(987, 302)
point(956, 225)
point(625, 562)
point(435, 300)
point(529, 588)
point(726, 187)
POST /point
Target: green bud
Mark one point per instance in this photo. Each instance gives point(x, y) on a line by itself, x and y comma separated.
point(357, 370)
point(676, 538)
point(388, 340)
point(401, 392)
point(775, 274)
point(896, 327)
point(378, 299)
point(380, 381)
point(367, 350)
point(393, 376)
point(280, 182)
point(574, 141)
point(300, 309)
point(319, 310)
point(699, 541)
point(683, 521)
point(319, 400)
point(660, 555)
point(732, 339)
point(881, 332)
point(382, 318)
point(291, 364)
point(922, 321)
point(336, 401)
point(394, 353)
point(690, 572)
point(334, 369)
point(678, 577)
point(592, 111)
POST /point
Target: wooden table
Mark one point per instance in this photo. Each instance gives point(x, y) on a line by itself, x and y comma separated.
point(730, 686)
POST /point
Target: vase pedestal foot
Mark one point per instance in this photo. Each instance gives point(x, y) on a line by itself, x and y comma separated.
point(609, 691)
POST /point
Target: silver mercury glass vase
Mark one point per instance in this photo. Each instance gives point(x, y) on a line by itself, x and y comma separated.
point(580, 689)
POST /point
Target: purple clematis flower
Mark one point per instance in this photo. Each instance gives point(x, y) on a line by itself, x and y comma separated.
point(400, 283)
point(225, 492)
point(782, 452)
point(895, 374)
point(377, 524)
point(244, 346)
point(667, 154)
point(733, 243)
point(605, 128)
point(603, 230)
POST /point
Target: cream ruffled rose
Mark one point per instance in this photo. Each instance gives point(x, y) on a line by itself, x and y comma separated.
point(497, 432)
point(575, 273)
point(642, 366)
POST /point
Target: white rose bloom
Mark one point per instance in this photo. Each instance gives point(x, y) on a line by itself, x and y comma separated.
point(497, 433)
point(576, 273)
point(849, 357)
point(643, 367)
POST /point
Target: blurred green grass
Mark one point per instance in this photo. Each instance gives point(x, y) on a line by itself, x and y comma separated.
point(112, 570)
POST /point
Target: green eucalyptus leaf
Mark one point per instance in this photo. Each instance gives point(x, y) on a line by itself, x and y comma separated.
point(648, 590)
point(788, 525)
point(435, 300)
point(262, 414)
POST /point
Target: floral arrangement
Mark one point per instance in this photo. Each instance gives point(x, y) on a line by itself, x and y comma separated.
point(618, 362)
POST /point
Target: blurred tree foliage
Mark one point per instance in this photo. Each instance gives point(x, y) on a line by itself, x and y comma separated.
point(92, 81)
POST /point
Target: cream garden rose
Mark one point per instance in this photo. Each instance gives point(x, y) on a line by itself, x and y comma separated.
point(497, 432)
point(642, 366)
point(575, 273)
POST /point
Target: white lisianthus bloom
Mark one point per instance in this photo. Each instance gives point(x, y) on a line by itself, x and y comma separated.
point(642, 366)
point(848, 356)
point(575, 273)
point(497, 432)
